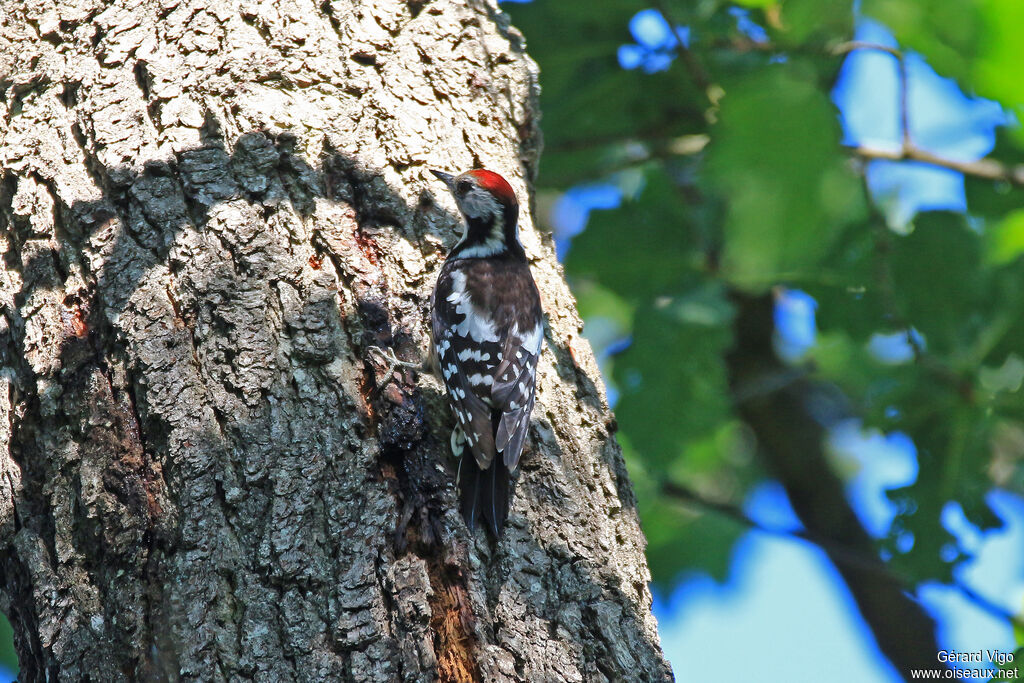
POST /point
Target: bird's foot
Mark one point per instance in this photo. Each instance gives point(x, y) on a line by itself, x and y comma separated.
point(394, 362)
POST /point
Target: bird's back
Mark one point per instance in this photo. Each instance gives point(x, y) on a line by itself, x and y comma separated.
point(487, 335)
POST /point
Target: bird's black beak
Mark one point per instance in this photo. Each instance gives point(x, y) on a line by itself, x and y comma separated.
point(447, 178)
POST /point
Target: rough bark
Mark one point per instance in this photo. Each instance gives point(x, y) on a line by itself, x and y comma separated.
point(209, 211)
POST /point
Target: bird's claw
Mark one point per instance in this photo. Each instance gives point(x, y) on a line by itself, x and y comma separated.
point(394, 362)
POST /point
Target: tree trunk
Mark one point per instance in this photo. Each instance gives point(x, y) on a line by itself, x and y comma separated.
point(209, 211)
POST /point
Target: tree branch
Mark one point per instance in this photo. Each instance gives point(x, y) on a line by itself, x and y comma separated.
point(701, 78)
point(790, 440)
point(855, 558)
point(847, 556)
point(988, 169)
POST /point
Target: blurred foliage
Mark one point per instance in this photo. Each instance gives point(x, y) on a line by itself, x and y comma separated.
point(946, 33)
point(8, 657)
point(745, 186)
point(789, 190)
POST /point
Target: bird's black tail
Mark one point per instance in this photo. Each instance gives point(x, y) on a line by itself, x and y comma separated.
point(485, 493)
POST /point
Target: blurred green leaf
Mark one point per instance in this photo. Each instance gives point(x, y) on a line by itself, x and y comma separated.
point(997, 71)
point(936, 284)
point(595, 301)
point(946, 32)
point(776, 158)
point(838, 358)
point(816, 20)
point(672, 383)
point(679, 537)
point(969, 311)
point(8, 656)
point(643, 248)
point(952, 457)
point(845, 285)
point(589, 101)
point(1005, 241)
point(994, 199)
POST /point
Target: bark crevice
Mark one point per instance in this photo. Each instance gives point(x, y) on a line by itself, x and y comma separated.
point(199, 250)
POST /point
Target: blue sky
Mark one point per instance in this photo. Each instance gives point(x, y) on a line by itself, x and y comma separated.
point(784, 614)
point(941, 119)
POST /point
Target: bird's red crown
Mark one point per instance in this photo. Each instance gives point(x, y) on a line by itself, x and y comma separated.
point(495, 184)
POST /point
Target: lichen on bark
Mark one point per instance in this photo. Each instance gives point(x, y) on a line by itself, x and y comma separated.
point(208, 212)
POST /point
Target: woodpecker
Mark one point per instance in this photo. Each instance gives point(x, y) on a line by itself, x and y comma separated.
point(486, 337)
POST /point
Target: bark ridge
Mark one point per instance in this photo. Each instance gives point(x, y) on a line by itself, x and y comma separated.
point(208, 211)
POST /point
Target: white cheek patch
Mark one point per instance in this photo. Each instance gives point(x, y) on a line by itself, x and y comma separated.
point(478, 203)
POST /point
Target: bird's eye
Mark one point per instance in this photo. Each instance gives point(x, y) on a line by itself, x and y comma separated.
point(463, 186)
